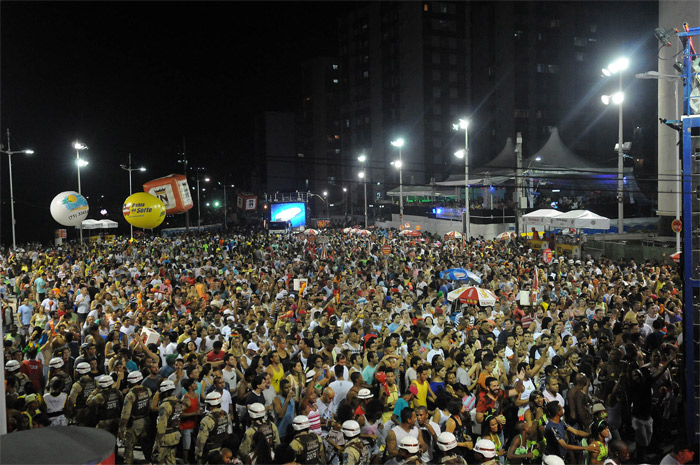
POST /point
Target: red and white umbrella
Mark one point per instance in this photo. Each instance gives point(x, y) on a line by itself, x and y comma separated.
point(473, 295)
point(410, 233)
point(504, 236)
point(346, 230)
point(312, 232)
point(452, 235)
point(363, 232)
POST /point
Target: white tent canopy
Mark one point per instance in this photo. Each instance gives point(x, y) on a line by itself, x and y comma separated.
point(542, 217)
point(581, 219)
point(99, 224)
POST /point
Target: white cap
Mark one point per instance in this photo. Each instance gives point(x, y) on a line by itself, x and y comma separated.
point(552, 460)
point(167, 385)
point(56, 362)
point(253, 346)
point(213, 398)
point(446, 441)
point(485, 447)
point(301, 422)
point(351, 428)
point(83, 367)
point(410, 444)
point(105, 381)
point(364, 393)
point(134, 377)
point(12, 365)
point(256, 410)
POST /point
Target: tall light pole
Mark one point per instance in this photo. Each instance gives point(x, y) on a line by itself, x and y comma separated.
point(199, 211)
point(79, 163)
point(363, 175)
point(464, 125)
point(130, 169)
point(224, 186)
point(345, 194)
point(617, 98)
point(12, 195)
point(399, 164)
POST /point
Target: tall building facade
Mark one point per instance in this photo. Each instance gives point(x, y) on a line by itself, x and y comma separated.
point(412, 69)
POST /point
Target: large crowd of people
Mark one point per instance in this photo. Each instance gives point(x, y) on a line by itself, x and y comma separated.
point(247, 348)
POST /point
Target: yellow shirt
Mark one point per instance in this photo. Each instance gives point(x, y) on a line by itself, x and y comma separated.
point(422, 397)
point(276, 377)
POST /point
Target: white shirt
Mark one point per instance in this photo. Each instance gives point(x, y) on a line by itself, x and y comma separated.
point(341, 388)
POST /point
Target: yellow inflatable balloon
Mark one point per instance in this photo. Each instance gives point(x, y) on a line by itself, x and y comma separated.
point(143, 210)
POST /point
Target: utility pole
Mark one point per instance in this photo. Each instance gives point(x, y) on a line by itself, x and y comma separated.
point(518, 180)
point(184, 164)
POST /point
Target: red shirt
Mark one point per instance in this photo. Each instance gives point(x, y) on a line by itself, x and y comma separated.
point(190, 422)
point(34, 370)
point(214, 357)
point(486, 403)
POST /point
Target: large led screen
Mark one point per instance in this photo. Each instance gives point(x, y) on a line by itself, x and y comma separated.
point(294, 212)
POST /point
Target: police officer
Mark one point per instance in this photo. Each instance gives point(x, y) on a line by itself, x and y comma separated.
point(167, 425)
point(408, 452)
point(21, 379)
point(356, 452)
point(56, 370)
point(107, 402)
point(134, 419)
point(447, 443)
point(307, 445)
point(79, 394)
point(256, 412)
point(212, 428)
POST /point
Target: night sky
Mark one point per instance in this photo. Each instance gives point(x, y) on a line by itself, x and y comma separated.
point(136, 78)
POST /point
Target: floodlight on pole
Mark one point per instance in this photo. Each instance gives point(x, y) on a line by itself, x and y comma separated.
point(130, 170)
point(463, 125)
point(616, 67)
point(78, 146)
point(12, 194)
point(399, 164)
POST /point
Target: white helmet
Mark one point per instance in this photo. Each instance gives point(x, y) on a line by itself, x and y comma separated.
point(256, 410)
point(105, 381)
point(134, 377)
point(351, 428)
point(301, 422)
point(446, 441)
point(83, 367)
point(213, 398)
point(364, 393)
point(553, 460)
point(56, 362)
point(167, 385)
point(409, 444)
point(485, 447)
point(12, 365)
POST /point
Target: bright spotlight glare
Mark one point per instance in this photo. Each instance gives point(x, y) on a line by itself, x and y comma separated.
point(362, 158)
point(361, 174)
point(459, 154)
point(605, 99)
point(618, 98)
point(82, 162)
point(463, 124)
point(397, 164)
point(398, 142)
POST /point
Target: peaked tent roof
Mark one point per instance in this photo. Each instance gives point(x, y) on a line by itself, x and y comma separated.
point(555, 155)
point(581, 219)
point(503, 163)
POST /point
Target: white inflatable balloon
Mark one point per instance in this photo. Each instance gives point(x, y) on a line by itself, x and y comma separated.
point(69, 208)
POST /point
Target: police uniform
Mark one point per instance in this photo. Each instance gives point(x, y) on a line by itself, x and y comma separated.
point(108, 405)
point(267, 428)
point(212, 433)
point(67, 380)
point(356, 452)
point(309, 448)
point(168, 430)
point(79, 394)
point(453, 459)
point(21, 380)
point(134, 420)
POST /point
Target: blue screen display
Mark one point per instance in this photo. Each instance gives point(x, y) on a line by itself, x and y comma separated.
point(294, 212)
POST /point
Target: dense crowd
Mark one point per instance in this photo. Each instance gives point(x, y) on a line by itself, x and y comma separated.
point(246, 348)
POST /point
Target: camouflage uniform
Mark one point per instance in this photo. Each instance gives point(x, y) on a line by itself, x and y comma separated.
point(356, 452)
point(212, 433)
point(309, 448)
point(134, 419)
point(20, 381)
point(267, 428)
point(67, 381)
point(453, 459)
point(79, 394)
point(108, 404)
point(167, 431)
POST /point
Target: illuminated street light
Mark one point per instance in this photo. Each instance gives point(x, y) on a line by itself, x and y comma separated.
point(130, 169)
point(12, 194)
point(463, 125)
point(617, 98)
point(78, 146)
point(399, 164)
